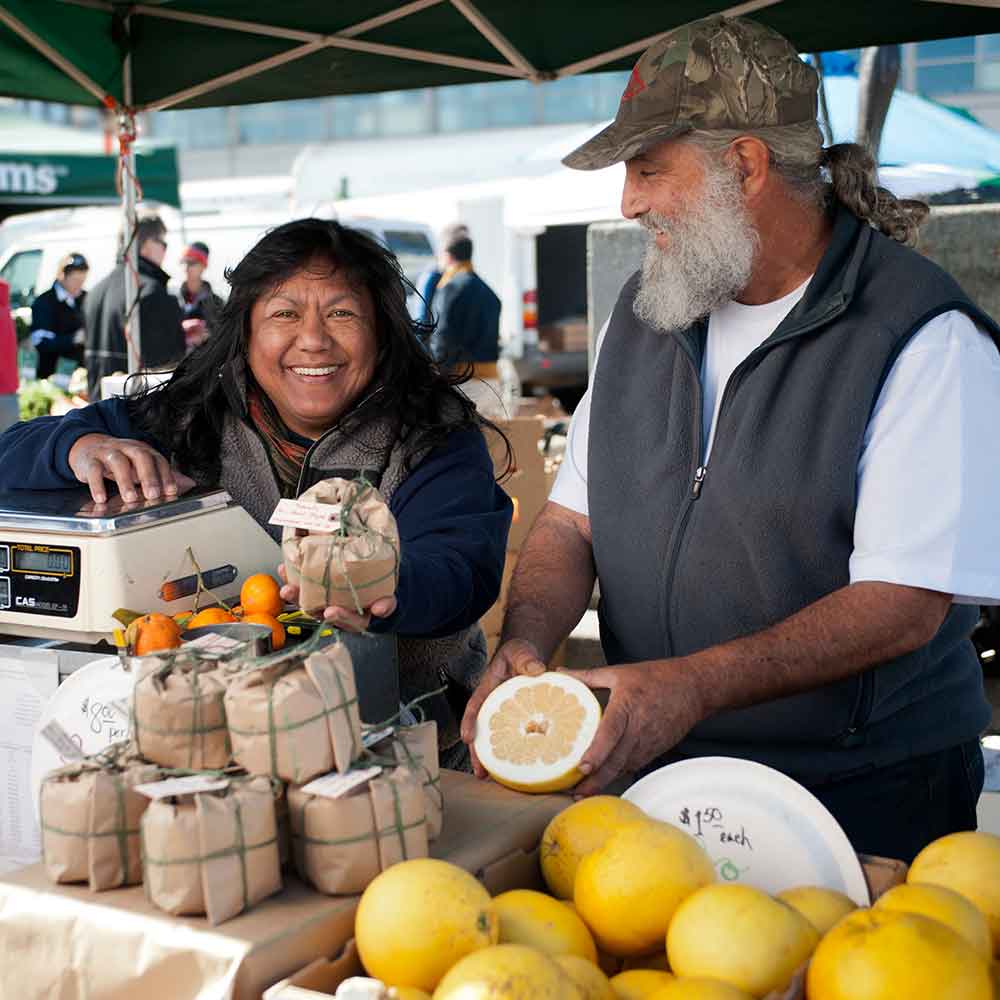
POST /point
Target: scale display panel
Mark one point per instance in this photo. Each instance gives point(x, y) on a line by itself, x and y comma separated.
point(41, 579)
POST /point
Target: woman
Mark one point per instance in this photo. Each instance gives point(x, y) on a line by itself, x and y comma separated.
point(57, 323)
point(314, 371)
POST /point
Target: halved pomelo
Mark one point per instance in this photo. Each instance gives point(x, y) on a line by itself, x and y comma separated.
point(532, 732)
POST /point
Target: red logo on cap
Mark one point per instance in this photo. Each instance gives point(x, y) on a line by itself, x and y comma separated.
point(636, 85)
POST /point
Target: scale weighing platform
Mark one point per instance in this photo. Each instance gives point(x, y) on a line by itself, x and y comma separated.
point(66, 563)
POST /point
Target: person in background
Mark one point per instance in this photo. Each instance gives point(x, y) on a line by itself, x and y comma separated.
point(200, 306)
point(162, 336)
point(57, 319)
point(9, 414)
point(467, 328)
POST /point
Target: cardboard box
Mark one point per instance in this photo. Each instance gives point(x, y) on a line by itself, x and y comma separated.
point(526, 485)
point(67, 941)
point(519, 870)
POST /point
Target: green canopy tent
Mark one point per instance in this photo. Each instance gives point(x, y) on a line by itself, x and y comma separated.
point(195, 53)
point(31, 181)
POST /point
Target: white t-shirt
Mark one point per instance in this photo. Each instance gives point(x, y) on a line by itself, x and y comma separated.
point(928, 509)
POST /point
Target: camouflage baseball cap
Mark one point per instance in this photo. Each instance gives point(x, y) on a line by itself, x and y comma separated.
point(716, 73)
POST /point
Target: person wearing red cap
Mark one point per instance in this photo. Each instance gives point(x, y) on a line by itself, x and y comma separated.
point(199, 304)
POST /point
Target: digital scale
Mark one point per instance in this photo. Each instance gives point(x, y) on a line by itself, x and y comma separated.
point(66, 563)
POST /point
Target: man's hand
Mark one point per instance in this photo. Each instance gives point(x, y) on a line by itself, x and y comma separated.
point(131, 464)
point(347, 619)
point(652, 707)
point(512, 659)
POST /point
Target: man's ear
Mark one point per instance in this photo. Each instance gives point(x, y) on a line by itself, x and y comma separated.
point(752, 160)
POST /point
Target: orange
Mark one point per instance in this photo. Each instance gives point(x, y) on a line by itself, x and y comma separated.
point(259, 593)
point(210, 616)
point(151, 633)
point(277, 629)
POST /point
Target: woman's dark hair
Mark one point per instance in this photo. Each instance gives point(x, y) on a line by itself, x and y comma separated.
point(187, 414)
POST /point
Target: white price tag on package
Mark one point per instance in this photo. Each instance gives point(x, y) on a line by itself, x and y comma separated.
point(213, 642)
point(335, 786)
point(309, 516)
point(189, 785)
point(61, 741)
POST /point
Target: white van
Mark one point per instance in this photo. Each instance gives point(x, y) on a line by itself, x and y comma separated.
point(32, 244)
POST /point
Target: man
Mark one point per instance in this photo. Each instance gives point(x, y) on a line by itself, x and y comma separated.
point(467, 311)
point(200, 306)
point(781, 472)
point(57, 316)
point(161, 334)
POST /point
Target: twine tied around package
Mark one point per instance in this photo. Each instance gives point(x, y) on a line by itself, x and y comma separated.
point(184, 661)
point(240, 848)
point(431, 783)
point(282, 663)
point(398, 827)
point(112, 760)
point(364, 540)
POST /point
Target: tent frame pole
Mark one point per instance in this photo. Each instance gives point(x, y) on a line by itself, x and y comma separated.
point(73, 72)
point(126, 138)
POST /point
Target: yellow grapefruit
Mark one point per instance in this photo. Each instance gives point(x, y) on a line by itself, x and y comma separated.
point(539, 921)
point(888, 955)
point(411, 993)
point(637, 984)
point(944, 905)
point(821, 907)
point(506, 972)
point(418, 918)
point(740, 935)
point(533, 731)
point(969, 863)
point(587, 977)
point(700, 989)
point(577, 830)
point(627, 890)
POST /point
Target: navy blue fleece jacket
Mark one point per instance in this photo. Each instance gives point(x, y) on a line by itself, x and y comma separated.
point(453, 518)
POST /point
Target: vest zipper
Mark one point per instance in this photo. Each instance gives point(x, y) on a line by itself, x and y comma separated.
point(698, 477)
point(700, 471)
point(312, 448)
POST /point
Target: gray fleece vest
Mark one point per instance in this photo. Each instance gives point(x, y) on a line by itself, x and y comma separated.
point(690, 554)
point(376, 450)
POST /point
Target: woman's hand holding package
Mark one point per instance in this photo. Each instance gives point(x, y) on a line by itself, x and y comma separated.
point(129, 463)
point(347, 619)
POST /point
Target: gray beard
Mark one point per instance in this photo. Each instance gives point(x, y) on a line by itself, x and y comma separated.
point(708, 260)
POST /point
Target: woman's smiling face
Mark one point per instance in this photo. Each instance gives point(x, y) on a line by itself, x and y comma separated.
point(313, 346)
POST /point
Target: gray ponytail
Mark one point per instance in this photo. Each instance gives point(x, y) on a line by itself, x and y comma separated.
point(798, 155)
point(853, 179)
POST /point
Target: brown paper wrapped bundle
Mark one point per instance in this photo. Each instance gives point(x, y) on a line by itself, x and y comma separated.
point(178, 716)
point(417, 747)
point(89, 818)
point(353, 566)
point(212, 853)
point(296, 717)
point(340, 845)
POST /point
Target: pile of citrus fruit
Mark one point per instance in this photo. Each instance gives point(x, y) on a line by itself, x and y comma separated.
point(634, 911)
point(260, 604)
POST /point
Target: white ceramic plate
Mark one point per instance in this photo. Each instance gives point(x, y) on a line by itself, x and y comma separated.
point(758, 825)
point(82, 706)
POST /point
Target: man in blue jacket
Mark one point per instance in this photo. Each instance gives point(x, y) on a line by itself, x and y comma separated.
point(466, 308)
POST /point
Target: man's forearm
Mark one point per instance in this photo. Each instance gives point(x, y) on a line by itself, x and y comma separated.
point(553, 581)
point(848, 631)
